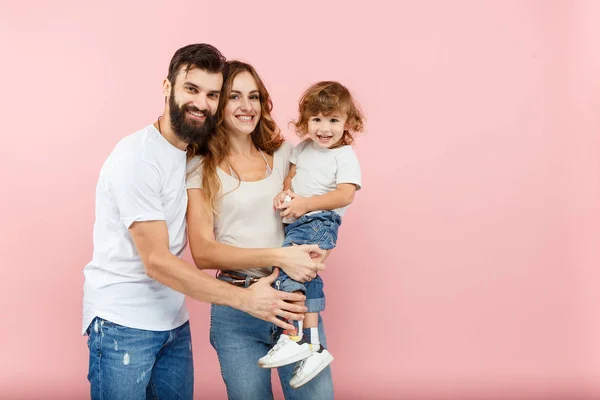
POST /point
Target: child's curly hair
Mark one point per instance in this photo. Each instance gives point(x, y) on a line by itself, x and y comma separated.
point(327, 97)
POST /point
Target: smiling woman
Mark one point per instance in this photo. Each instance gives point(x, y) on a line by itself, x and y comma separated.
point(242, 110)
point(230, 192)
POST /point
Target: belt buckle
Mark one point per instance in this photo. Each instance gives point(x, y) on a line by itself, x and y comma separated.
point(235, 282)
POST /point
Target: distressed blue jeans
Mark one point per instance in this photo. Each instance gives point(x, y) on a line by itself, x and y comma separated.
point(240, 340)
point(132, 364)
point(319, 228)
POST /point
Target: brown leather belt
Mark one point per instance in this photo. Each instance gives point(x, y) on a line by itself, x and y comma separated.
point(236, 279)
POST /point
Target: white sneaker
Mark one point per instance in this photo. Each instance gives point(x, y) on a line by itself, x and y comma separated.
point(285, 351)
point(308, 368)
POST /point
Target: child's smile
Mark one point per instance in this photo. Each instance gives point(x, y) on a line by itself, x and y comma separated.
point(326, 131)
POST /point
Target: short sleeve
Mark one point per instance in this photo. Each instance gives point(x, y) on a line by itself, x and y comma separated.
point(136, 186)
point(284, 153)
point(297, 150)
point(294, 155)
point(193, 178)
point(348, 168)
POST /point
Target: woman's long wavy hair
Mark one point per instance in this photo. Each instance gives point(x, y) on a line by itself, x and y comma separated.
point(266, 137)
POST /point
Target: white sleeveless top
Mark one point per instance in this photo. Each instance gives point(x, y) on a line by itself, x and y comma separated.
point(246, 216)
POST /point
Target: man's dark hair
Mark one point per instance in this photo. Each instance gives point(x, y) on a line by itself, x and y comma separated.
point(201, 55)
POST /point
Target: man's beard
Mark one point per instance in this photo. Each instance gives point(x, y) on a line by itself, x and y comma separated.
point(192, 132)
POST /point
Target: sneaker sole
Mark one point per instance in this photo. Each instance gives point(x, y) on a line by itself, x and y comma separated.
point(321, 367)
point(296, 358)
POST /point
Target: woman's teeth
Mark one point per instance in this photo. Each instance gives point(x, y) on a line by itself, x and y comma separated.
point(245, 118)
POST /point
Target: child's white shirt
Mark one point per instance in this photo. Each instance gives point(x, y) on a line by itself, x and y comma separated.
point(319, 170)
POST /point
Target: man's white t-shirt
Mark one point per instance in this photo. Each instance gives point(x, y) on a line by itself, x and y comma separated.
point(319, 170)
point(143, 179)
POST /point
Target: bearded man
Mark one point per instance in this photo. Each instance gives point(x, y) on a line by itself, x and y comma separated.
point(134, 310)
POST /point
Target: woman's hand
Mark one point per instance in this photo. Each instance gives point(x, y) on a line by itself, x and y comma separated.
point(295, 208)
point(266, 303)
point(301, 263)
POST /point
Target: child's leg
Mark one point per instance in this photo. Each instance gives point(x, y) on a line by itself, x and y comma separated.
point(311, 319)
point(296, 334)
point(290, 346)
point(311, 329)
point(315, 302)
point(320, 358)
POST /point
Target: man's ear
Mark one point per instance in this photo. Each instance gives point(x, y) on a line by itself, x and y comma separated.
point(167, 88)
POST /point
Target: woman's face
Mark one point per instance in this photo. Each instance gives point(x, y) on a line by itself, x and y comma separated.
point(242, 110)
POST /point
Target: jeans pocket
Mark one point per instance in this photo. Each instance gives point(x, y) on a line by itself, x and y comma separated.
point(94, 333)
point(315, 224)
point(88, 332)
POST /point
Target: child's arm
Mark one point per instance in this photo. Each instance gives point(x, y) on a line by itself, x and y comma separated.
point(287, 183)
point(287, 186)
point(342, 196)
point(348, 179)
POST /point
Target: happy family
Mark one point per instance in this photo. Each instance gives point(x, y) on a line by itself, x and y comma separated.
point(214, 170)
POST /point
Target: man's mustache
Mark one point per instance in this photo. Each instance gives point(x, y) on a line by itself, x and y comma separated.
point(195, 109)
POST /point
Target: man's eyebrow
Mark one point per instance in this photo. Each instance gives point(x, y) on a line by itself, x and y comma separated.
point(187, 83)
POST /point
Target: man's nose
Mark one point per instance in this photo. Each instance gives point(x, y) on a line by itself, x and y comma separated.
point(200, 102)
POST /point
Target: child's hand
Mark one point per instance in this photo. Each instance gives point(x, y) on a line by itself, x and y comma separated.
point(295, 208)
point(279, 200)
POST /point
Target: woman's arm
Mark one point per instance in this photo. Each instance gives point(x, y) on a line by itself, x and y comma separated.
point(210, 254)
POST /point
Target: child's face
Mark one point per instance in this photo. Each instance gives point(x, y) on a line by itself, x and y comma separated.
point(326, 131)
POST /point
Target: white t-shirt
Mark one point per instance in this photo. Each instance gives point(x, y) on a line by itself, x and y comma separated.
point(319, 170)
point(143, 179)
point(246, 216)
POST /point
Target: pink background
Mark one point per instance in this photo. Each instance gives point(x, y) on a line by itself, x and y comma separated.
point(466, 268)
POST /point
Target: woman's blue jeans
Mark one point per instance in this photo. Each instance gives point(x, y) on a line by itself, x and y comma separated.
point(240, 340)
